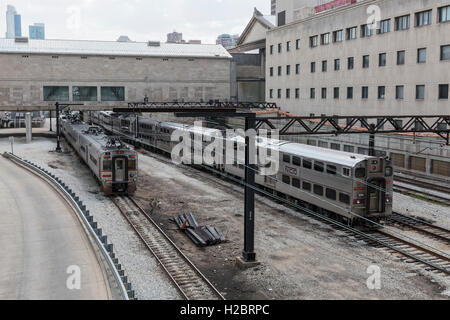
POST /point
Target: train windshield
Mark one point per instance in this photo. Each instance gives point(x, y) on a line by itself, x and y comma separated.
point(360, 173)
point(131, 164)
point(107, 165)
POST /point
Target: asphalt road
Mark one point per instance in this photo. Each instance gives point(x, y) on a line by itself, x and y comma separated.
point(40, 240)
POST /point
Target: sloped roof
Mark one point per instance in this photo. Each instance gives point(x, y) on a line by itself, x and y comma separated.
point(112, 48)
point(267, 22)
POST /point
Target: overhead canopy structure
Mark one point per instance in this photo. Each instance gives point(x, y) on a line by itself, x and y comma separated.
point(254, 35)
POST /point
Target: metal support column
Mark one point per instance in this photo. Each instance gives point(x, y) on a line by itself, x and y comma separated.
point(372, 140)
point(249, 254)
point(51, 127)
point(58, 137)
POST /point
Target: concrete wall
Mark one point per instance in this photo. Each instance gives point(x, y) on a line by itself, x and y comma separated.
point(22, 78)
point(431, 74)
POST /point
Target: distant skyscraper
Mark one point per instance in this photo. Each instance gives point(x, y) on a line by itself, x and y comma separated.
point(13, 23)
point(227, 41)
point(124, 39)
point(273, 7)
point(174, 37)
point(37, 31)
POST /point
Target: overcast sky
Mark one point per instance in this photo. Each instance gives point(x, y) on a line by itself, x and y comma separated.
point(141, 20)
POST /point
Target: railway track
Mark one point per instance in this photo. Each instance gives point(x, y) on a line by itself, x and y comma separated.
point(421, 226)
point(190, 282)
point(443, 200)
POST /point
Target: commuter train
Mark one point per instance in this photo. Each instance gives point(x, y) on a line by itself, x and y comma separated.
point(351, 186)
point(112, 162)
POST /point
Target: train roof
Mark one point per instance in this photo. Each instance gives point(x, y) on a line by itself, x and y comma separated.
point(98, 138)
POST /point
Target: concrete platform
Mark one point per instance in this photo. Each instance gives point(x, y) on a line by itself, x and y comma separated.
point(41, 238)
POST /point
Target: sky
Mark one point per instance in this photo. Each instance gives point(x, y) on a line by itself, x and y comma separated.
point(141, 20)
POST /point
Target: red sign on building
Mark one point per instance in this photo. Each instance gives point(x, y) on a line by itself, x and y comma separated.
point(333, 4)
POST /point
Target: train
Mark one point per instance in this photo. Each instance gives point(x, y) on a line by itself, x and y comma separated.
point(353, 187)
point(111, 161)
point(17, 119)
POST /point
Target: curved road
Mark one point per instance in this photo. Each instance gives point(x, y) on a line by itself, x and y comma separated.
point(40, 238)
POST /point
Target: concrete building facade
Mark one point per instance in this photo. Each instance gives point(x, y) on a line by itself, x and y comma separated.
point(37, 73)
point(332, 63)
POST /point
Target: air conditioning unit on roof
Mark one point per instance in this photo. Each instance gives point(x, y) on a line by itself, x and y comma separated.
point(154, 43)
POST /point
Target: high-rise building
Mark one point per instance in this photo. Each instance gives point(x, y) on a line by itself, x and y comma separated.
point(37, 31)
point(273, 7)
point(227, 41)
point(174, 37)
point(13, 23)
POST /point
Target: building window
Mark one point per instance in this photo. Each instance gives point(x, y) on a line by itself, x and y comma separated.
point(399, 92)
point(444, 14)
point(402, 23)
point(113, 94)
point(338, 36)
point(350, 93)
point(271, 49)
point(313, 93)
point(366, 62)
point(297, 68)
point(443, 91)
point(314, 41)
point(271, 71)
point(385, 26)
point(445, 53)
point(288, 70)
point(279, 94)
point(351, 63)
point(366, 31)
point(297, 93)
point(313, 67)
point(297, 44)
point(55, 93)
point(288, 46)
point(288, 93)
point(381, 92)
point(325, 38)
point(422, 55)
point(400, 58)
point(424, 18)
point(336, 93)
point(352, 33)
point(280, 48)
point(337, 64)
point(84, 93)
point(382, 60)
point(324, 93)
point(279, 71)
point(420, 92)
point(271, 93)
point(365, 93)
point(324, 66)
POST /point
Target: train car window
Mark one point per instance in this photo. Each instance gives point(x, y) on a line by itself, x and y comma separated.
point(360, 172)
point(107, 165)
point(296, 183)
point(344, 198)
point(346, 172)
point(119, 165)
point(319, 166)
point(286, 179)
point(389, 171)
point(331, 169)
point(318, 190)
point(331, 194)
point(306, 186)
point(307, 164)
point(296, 161)
point(131, 164)
point(287, 158)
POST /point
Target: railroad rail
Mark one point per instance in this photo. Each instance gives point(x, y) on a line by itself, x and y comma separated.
point(421, 226)
point(189, 281)
point(409, 183)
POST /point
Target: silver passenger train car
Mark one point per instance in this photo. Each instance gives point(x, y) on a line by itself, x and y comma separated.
point(113, 163)
point(331, 182)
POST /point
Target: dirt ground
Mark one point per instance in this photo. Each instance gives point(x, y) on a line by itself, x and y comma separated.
point(300, 258)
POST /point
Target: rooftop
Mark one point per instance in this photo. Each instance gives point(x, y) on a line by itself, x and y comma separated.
point(112, 48)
